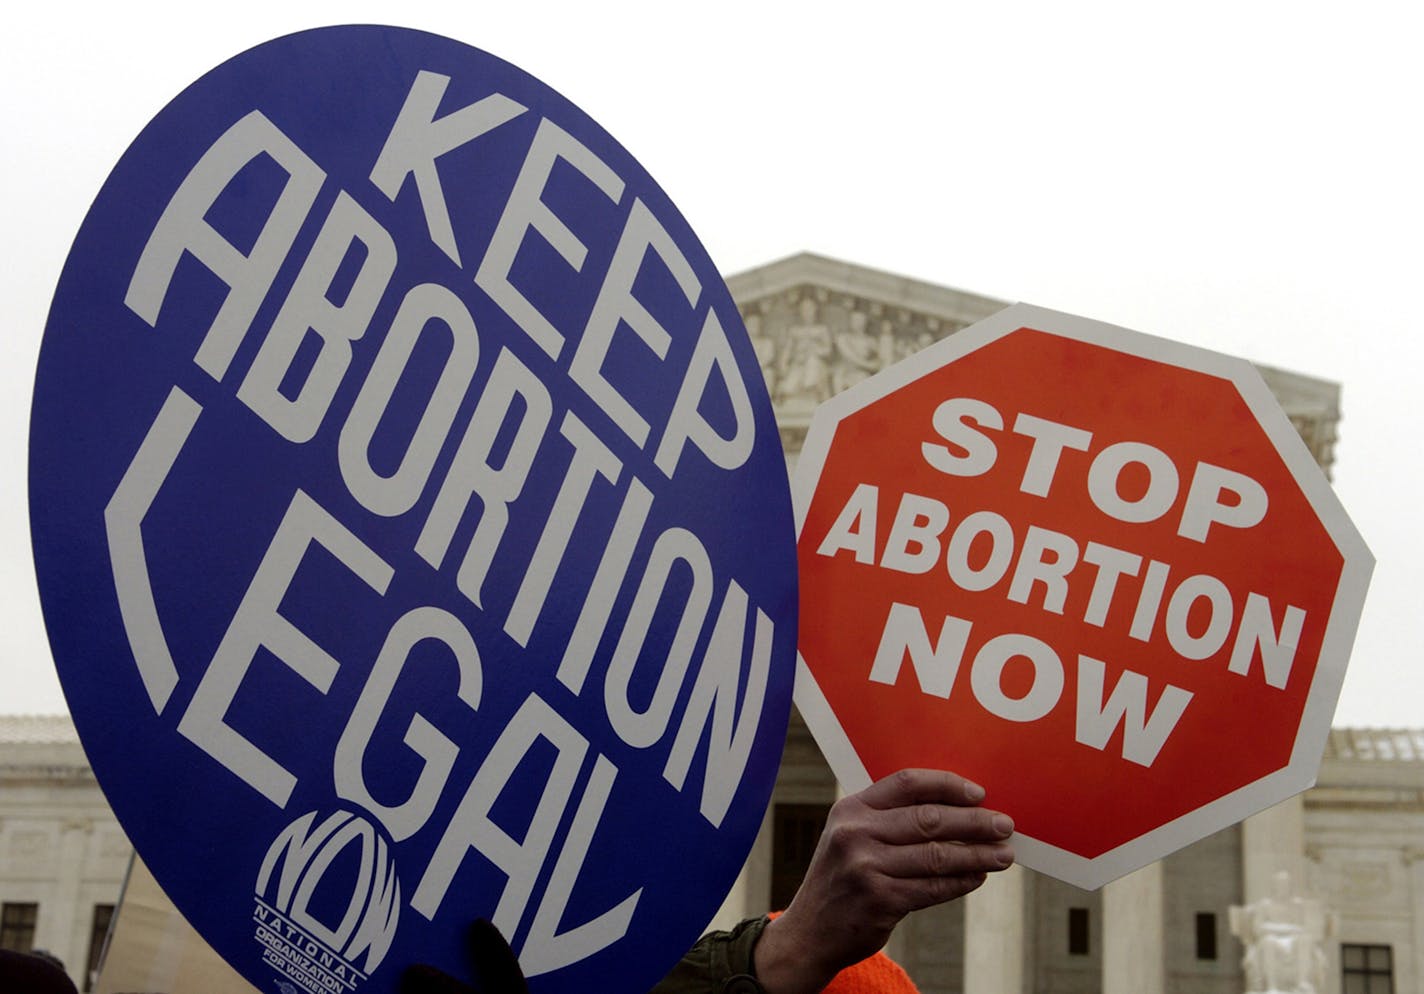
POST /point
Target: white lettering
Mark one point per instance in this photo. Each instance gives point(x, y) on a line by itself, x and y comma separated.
point(935, 666)
point(524, 211)
point(1049, 440)
point(642, 728)
point(1046, 557)
point(714, 700)
point(986, 677)
point(974, 452)
point(686, 423)
point(854, 527)
point(1105, 476)
point(1204, 505)
point(473, 826)
point(472, 474)
point(607, 581)
point(1192, 590)
point(1001, 551)
point(308, 308)
point(591, 458)
point(617, 305)
point(1149, 601)
point(546, 948)
point(1143, 735)
point(393, 495)
point(183, 227)
point(919, 522)
point(1112, 565)
point(257, 624)
point(417, 139)
point(405, 819)
point(123, 527)
point(1258, 631)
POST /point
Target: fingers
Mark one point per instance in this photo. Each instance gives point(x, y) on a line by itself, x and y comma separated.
point(912, 840)
point(929, 860)
point(907, 787)
point(930, 873)
point(926, 892)
point(927, 827)
point(941, 822)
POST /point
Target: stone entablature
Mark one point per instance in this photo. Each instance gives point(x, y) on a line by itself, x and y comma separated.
point(37, 730)
point(1372, 768)
point(1376, 745)
point(41, 750)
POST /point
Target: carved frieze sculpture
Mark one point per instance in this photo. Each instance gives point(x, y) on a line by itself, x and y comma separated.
point(814, 341)
point(813, 344)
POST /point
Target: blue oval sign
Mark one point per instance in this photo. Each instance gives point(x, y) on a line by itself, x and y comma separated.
point(411, 524)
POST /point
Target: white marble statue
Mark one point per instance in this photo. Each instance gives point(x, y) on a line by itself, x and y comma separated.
point(1284, 936)
point(804, 373)
point(765, 348)
point(859, 354)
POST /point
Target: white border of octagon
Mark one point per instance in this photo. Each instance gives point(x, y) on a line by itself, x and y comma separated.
point(1299, 774)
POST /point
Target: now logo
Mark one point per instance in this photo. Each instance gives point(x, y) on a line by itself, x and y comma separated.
point(305, 866)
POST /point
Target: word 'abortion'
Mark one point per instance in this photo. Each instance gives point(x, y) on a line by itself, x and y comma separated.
point(724, 706)
point(1197, 613)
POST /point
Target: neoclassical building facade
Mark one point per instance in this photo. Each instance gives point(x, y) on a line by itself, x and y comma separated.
point(1355, 841)
point(819, 326)
point(63, 856)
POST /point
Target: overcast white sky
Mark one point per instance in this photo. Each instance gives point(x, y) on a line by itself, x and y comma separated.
point(1245, 176)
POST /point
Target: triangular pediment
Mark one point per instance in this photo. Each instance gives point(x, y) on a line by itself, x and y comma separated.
point(820, 325)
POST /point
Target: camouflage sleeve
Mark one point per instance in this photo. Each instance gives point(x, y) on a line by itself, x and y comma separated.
point(720, 963)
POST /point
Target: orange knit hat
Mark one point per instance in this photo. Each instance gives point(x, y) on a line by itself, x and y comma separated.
point(878, 974)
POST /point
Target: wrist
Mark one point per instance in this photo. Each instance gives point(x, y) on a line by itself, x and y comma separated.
point(786, 962)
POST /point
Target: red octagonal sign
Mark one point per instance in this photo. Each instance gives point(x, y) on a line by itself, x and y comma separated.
point(1097, 572)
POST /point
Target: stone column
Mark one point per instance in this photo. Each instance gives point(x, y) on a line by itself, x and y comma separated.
point(1134, 953)
point(59, 929)
point(1414, 859)
point(1272, 841)
point(995, 948)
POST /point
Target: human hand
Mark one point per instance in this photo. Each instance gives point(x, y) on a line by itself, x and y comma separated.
point(912, 840)
point(496, 969)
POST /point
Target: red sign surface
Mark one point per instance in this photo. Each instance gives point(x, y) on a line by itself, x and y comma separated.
point(1097, 572)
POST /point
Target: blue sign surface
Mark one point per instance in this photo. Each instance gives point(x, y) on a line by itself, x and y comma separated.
point(411, 524)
